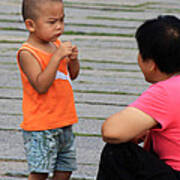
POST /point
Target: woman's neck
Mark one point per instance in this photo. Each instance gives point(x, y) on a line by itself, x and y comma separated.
point(163, 76)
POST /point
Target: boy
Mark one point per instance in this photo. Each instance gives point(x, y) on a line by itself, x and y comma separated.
point(154, 114)
point(49, 112)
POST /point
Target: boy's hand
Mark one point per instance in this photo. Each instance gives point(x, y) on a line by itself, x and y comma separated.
point(64, 50)
point(74, 54)
point(73, 63)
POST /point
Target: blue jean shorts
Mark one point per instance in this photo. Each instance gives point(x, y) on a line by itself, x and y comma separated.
point(50, 150)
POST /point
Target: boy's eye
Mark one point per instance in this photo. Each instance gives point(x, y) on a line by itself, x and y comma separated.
point(52, 22)
point(62, 20)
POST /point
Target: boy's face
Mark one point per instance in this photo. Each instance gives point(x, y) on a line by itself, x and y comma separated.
point(50, 23)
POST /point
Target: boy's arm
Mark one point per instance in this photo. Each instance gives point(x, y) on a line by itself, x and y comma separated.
point(125, 125)
point(73, 64)
point(42, 80)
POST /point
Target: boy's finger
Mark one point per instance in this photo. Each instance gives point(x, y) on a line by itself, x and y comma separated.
point(74, 47)
point(67, 43)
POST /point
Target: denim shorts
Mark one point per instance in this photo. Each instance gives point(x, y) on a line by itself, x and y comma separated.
point(50, 150)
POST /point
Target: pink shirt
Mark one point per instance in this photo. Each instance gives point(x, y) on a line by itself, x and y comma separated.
point(162, 102)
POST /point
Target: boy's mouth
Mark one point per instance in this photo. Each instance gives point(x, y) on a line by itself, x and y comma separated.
point(58, 34)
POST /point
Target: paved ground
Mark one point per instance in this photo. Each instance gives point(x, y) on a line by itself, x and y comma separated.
point(109, 79)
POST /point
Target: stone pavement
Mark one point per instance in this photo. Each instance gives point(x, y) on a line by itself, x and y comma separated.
point(109, 78)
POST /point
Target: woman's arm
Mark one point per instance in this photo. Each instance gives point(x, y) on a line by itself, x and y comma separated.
point(126, 125)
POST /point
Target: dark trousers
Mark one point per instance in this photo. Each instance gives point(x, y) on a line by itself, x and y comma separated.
point(128, 161)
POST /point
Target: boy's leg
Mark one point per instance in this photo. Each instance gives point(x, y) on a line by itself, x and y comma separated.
point(128, 161)
point(66, 160)
point(37, 176)
point(50, 151)
point(41, 152)
point(62, 175)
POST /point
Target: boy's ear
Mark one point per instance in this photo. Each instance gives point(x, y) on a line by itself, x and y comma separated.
point(30, 25)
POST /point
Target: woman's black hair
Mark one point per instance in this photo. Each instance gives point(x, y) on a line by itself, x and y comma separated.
point(159, 39)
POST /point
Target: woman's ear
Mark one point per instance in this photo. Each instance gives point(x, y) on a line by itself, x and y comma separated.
point(30, 25)
point(152, 65)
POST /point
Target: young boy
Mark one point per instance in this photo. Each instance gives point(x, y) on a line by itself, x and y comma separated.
point(155, 112)
point(49, 112)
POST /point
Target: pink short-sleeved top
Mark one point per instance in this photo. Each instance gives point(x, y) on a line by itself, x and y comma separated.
point(162, 102)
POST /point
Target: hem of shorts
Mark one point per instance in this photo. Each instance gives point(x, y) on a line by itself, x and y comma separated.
point(66, 169)
point(49, 171)
point(40, 171)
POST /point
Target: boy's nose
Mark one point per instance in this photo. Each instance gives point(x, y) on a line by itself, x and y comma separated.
point(59, 26)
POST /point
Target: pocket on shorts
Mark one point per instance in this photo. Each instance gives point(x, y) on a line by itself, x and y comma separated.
point(68, 135)
point(27, 136)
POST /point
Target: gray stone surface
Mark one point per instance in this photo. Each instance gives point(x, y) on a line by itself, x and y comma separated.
point(109, 78)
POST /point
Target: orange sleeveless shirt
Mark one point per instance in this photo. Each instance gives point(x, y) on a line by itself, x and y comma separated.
point(55, 108)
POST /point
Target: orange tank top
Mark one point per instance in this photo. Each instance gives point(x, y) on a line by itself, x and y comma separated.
point(55, 108)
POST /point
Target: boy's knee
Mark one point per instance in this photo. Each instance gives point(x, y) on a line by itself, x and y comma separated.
point(62, 175)
point(38, 176)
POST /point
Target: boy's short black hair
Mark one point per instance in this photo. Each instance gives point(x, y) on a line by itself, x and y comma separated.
point(159, 39)
point(30, 8)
